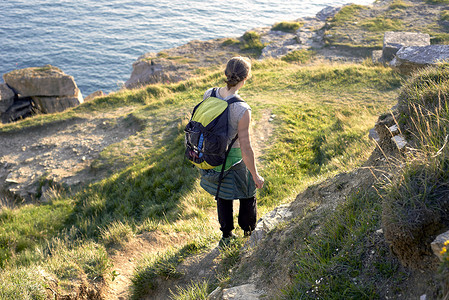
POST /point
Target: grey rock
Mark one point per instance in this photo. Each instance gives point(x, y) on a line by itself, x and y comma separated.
point(149, 69)
point(217, 294)
point(57, 104)
point(376, 56)
point(20, 109)
point(268, 222)
point(6, 97)
point(393, 41)
point(243, 292)
point(400, 141)
point(327, 12)
point(41, 81)
point(438, 244)
point(410, 59)
point(374, 135)
point(94, 95)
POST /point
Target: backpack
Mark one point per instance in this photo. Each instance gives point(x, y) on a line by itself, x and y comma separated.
point(206, 134)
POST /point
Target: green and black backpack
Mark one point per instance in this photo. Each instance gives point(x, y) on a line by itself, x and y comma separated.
point(206, 134)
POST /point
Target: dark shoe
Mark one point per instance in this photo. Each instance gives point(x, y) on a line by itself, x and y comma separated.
point(226, 241)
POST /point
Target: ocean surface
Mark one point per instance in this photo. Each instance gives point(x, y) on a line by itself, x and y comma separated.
point(96, 41)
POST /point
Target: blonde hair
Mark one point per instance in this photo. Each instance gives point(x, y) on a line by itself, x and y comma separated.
point(237, 69)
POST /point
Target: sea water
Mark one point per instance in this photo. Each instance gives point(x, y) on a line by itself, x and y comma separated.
point(96, 41)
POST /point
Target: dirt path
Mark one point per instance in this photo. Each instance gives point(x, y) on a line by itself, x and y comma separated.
point(196, 268)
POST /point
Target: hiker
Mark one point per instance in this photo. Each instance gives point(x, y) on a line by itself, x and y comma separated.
point(241, 179)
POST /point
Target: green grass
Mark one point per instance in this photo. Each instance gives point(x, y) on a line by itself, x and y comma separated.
point(165, 265)
point(290, 27)
point(347, 14)
point(332, 263)
point(317, 134)
point(437, 1)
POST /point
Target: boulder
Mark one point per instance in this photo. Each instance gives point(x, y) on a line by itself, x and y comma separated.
point(393, 41)
point(46, 81)
point(438, 244)
point(243, 292)
point(268, 222)
point(410, 59)
point(152, 69)
point(6, 97)
point(327, 12)
point(48, 105)
point(94, 95)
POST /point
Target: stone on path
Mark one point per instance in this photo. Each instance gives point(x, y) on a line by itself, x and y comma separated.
point(394, 41)
point(410, 59)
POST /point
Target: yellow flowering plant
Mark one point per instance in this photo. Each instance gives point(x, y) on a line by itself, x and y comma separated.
point(444, 270)
point(444, 251)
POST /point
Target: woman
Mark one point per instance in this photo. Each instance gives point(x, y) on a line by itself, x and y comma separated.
point(241, 178)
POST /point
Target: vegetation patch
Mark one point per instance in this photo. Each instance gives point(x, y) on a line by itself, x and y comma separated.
point(165, 266)
point(382, 24)
point(290, 27)
point(299, 56)
point(332, 262)
point(416, 204)
point(231, 41)
point(437, 1)
point(252, 43)
point(399, 4)
point(347, 14)
point(444, 15)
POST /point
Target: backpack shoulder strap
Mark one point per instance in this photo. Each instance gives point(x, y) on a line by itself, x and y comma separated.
point(214, 92)
point(235, 99)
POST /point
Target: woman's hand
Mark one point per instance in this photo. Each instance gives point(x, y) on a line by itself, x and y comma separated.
point(258, 180)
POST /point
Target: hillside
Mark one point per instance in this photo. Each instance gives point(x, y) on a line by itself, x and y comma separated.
point(130, 220)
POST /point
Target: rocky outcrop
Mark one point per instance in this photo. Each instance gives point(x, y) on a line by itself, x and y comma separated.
point(411, 59)
point(180, 63)
point(45, 89)
point(394, 41)
point(152, 68)
point(280, 43)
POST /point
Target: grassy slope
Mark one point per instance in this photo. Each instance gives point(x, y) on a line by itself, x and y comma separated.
point(322, 113)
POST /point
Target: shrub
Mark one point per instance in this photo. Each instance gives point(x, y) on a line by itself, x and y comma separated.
point(251, 41)
point(287, 26)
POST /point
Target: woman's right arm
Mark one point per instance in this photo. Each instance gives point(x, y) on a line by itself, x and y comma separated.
point(247, 149)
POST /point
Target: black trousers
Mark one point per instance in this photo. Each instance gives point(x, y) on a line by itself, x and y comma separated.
point(247, 215)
